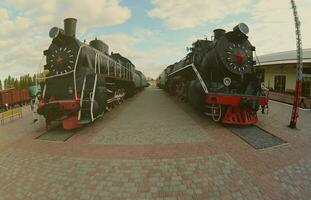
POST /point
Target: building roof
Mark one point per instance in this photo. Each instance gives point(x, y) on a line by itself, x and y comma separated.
point(284, 57)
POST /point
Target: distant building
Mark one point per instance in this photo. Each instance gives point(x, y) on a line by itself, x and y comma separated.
point(280, 71)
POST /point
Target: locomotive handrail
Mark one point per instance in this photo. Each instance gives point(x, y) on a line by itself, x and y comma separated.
point(197, 74)
point(100, 60)
point(95, 64)
point(179, 70)
point(56, 75)
point(200, 78)
point(93, 97)
point(82, 94)
point(44, 90)
point(108, 66)
point(127, 72)
point(74, 72)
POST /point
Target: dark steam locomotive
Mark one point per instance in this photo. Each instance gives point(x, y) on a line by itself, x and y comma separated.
point(83, 80)
point(219, 77)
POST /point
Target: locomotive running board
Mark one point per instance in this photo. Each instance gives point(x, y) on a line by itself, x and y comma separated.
point(196, 73)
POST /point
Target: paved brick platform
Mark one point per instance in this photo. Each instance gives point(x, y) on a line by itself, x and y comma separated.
point(151, 119)
point(191, 158)
point(12, 131)
point(41, 176)
point(296, 178)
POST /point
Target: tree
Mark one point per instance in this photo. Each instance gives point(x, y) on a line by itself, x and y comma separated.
point(9, 82)
point(0, 85)
point(22, 82)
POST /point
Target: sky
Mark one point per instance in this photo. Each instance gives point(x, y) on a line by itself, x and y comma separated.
point(151, 33)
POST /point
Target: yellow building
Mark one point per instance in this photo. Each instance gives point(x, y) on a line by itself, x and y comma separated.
point(280, 71)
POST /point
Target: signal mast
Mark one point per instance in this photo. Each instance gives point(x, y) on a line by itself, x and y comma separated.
point(299, 68)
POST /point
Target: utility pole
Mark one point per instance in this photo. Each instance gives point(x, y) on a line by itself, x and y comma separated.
point(298, 70)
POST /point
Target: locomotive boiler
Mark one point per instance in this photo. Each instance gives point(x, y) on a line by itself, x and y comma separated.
point(219, 77)
point(82, 80)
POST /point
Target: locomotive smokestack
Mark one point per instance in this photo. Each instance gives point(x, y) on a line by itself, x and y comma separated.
point(70, 27)
point(218, 33)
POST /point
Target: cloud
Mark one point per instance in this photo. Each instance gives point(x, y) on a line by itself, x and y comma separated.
point(11, 27)
point(151, 62)
point(34, 5)
point(119, 42)
point(272, 25)
point(188, 14)
point(8, 43)
point(25, 25)
point(23, 58)
point(98, 12)
point(271, 22)
point(91, 13)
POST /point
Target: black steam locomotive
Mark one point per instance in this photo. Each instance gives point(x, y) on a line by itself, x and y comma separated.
point(83, 80)
point(219, 77)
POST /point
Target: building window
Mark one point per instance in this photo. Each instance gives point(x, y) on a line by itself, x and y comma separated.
point(306, 70)
point(306, 85)
point(279, 83)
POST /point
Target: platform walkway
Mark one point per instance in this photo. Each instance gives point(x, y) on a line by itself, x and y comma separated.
point(154, 147)
point(153, 118)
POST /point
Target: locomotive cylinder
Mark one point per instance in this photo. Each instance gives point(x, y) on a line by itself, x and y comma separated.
point(70, 27)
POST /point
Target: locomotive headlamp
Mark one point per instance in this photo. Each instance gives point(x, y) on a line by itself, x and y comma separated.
point(243, 28)
point(55, 31)
point(227, 81)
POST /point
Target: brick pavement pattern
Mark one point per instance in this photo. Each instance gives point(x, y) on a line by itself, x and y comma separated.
point(279, 116)
point(151, 119)
point(12, 131)
point(29, 175)
point(296, 179)
point(163, 150)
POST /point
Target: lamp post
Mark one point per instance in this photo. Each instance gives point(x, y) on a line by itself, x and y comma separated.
point(298, 70)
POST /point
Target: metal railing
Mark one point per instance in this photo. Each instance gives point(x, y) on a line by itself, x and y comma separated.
point(10, 114)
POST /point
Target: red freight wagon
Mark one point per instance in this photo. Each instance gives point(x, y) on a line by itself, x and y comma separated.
point(5, 98)
point(13, 97)
point(25, 95)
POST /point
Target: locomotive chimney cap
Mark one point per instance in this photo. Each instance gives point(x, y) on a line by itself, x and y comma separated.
point(70, 26)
